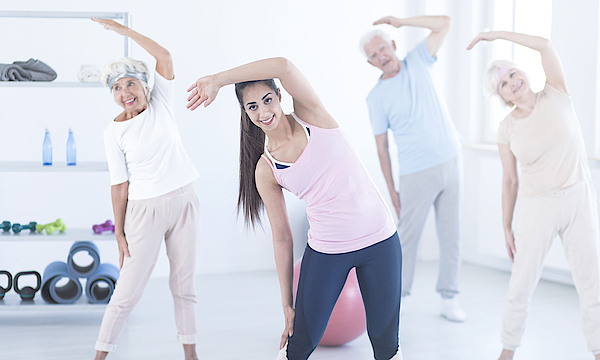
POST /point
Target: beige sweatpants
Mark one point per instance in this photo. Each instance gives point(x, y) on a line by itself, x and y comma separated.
point(174, 216)
point(572, 214)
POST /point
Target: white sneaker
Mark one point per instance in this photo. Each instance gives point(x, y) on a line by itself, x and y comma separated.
point(452, 311)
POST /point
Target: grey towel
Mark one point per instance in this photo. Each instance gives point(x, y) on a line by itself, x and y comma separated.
point(30, 70)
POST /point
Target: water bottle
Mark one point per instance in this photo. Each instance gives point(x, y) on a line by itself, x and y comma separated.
point(71, 148)
point(47, 149)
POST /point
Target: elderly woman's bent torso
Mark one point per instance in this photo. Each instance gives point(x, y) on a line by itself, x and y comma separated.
point(147, 150)
point(548, 144)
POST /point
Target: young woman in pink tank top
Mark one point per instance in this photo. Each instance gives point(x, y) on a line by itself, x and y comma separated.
point(307, 154)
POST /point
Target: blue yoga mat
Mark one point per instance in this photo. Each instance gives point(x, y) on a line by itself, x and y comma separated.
point(83, 271)
point(100, 286)
point(65, 294)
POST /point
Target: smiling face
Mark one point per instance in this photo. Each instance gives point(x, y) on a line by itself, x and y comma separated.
point(130, 94)
point(513, 85)
point(381, 54)
point(262, 105)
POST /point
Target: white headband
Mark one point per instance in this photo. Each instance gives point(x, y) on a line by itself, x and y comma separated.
point(132, 74)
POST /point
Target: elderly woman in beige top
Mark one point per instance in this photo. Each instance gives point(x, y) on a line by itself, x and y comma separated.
point(555, 192)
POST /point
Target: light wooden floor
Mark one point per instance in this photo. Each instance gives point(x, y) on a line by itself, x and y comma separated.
point(240, 317)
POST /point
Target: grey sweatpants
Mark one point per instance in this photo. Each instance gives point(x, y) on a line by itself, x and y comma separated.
point(440, 186)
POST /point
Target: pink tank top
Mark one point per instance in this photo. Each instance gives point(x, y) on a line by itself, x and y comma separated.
point(345, 210)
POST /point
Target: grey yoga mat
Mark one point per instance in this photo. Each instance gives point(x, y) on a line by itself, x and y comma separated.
point(54, 293)
point(100, 286)
point(81, 271)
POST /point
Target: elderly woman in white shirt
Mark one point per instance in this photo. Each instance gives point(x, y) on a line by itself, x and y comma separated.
point(152, 191)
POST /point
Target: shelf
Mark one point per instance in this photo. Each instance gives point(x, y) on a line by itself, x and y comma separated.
point(36, 166)
point(63, 14)
point(69, 235)
point(49, 84)
point(12, 302)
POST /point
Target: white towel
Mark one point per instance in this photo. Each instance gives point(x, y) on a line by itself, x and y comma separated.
point(89, 73)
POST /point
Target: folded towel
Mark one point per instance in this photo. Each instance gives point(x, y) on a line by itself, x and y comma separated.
point(89, 73)
point(30, 70)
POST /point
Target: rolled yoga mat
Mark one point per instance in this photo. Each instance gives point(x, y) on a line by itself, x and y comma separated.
point(100, 286)
point(64, 294)
point(83, 271)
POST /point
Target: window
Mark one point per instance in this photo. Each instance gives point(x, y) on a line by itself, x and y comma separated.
point(532, 17)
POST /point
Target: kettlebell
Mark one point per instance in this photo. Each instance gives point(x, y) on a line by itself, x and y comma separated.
point(7, 289)
point(28, 293)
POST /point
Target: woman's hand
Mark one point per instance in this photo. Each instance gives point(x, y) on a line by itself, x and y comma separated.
point(112, 25)
point(204, 90)
point(390, 20)
point(510, 244)
point(484, 36)
point(123, 249)
point(290, 316)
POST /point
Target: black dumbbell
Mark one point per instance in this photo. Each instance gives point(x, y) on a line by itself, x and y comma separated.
point(7, 288)
point(5, 226)
point(16, 228)
point(28, 293)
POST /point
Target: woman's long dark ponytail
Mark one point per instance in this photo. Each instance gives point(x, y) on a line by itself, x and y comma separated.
point(252, 145)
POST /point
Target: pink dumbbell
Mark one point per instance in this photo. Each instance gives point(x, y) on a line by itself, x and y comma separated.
point(107, 226)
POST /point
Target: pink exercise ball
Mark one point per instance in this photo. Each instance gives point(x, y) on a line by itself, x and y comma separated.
point(348, 320)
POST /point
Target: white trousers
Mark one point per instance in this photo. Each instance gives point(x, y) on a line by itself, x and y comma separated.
point(174, 216)
point(573, 215)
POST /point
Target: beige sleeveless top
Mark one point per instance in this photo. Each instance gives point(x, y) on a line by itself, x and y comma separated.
point(548, 144)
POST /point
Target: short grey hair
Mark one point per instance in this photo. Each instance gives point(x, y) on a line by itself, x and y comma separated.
point(491, 81)
point(126, 64)
point(367, 37)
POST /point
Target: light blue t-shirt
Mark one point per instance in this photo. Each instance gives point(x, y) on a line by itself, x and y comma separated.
point(411, 106)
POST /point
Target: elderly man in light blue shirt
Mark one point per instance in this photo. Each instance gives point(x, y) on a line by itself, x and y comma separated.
point(406, 100)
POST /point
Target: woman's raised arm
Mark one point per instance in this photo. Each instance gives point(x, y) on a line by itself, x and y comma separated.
point(555, 75)
point(307, 104)
point(164, 63)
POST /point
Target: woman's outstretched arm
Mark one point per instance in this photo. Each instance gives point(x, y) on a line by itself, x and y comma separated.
point(164, 63)
point(119, 201)
point(283, 242)
point(555, 75)
point(307, 104)
point(510, 187)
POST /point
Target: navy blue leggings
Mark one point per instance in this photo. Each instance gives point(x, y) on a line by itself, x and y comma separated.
point(322, 277)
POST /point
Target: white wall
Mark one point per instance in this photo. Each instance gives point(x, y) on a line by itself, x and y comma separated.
point(320, 37)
